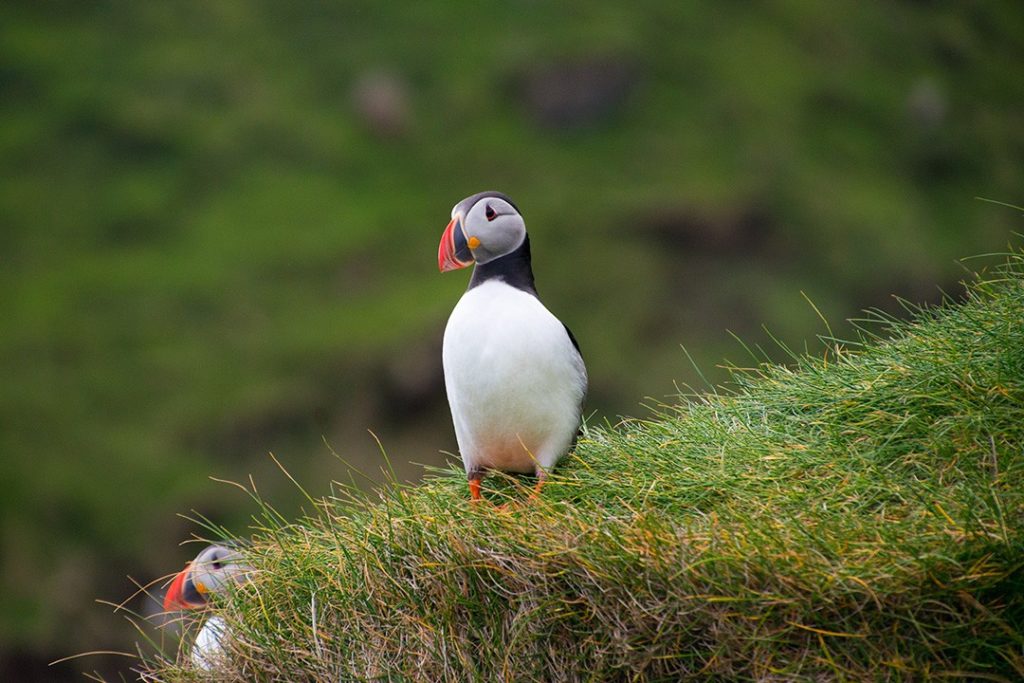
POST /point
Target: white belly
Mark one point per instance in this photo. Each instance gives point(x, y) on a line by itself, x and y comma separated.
point(208, 649)
point(515, 382)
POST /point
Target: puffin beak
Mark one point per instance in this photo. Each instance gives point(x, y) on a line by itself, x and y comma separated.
point(182, 593)
point(453, 252)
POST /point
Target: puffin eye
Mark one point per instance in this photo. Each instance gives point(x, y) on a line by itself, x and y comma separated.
point(216, 564)
point(490, 213)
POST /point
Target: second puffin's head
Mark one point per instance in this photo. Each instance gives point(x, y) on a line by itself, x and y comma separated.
point(484, 226)
point(212, 570)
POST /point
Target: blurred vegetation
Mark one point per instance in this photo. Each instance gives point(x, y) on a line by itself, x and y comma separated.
point(218, 224)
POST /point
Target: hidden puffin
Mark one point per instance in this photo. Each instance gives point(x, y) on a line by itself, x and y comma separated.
point(513, 372)
point(213, 570)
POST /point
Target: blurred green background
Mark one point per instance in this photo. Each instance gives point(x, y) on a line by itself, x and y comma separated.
point(219, 223)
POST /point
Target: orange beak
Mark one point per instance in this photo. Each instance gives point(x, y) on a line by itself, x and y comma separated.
point(176, 595)
point(453, 252)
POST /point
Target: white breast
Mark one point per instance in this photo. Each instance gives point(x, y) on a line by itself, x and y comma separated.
point(515, 381)
point(208, 649)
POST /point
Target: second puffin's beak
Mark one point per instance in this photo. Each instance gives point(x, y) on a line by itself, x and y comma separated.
point(453, 252)
point(183, 593)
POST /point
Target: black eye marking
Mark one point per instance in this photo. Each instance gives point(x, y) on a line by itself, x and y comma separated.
point(490, 213)
point(217, 564)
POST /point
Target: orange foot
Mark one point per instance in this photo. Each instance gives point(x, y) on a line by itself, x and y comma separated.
point(474, 489)
point(534, 494)
point(541, 478)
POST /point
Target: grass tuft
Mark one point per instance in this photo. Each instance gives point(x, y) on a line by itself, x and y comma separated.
point(854, 515)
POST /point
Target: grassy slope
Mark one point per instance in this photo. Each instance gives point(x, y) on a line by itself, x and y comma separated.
point(858, 514)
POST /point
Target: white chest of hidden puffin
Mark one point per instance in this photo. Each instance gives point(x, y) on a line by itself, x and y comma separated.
point(513, 372)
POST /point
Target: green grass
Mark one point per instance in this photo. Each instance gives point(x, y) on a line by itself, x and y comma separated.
point(856, 514)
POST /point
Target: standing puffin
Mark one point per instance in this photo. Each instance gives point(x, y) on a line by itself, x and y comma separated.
point(210, 573)
point(513, 372)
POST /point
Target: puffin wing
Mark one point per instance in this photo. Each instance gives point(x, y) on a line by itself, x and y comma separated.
point(583, 372)
point(572, 338)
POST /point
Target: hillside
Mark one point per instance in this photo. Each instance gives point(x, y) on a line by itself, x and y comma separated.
point(855, 514)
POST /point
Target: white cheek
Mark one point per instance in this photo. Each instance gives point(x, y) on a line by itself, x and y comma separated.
point(499, 238)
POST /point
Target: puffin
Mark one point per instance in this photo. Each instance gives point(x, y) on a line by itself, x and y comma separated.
point(513, 372)
point(209, 573)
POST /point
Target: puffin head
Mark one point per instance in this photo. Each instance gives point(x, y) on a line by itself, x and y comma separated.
point(484, 226)
point(213, 569)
